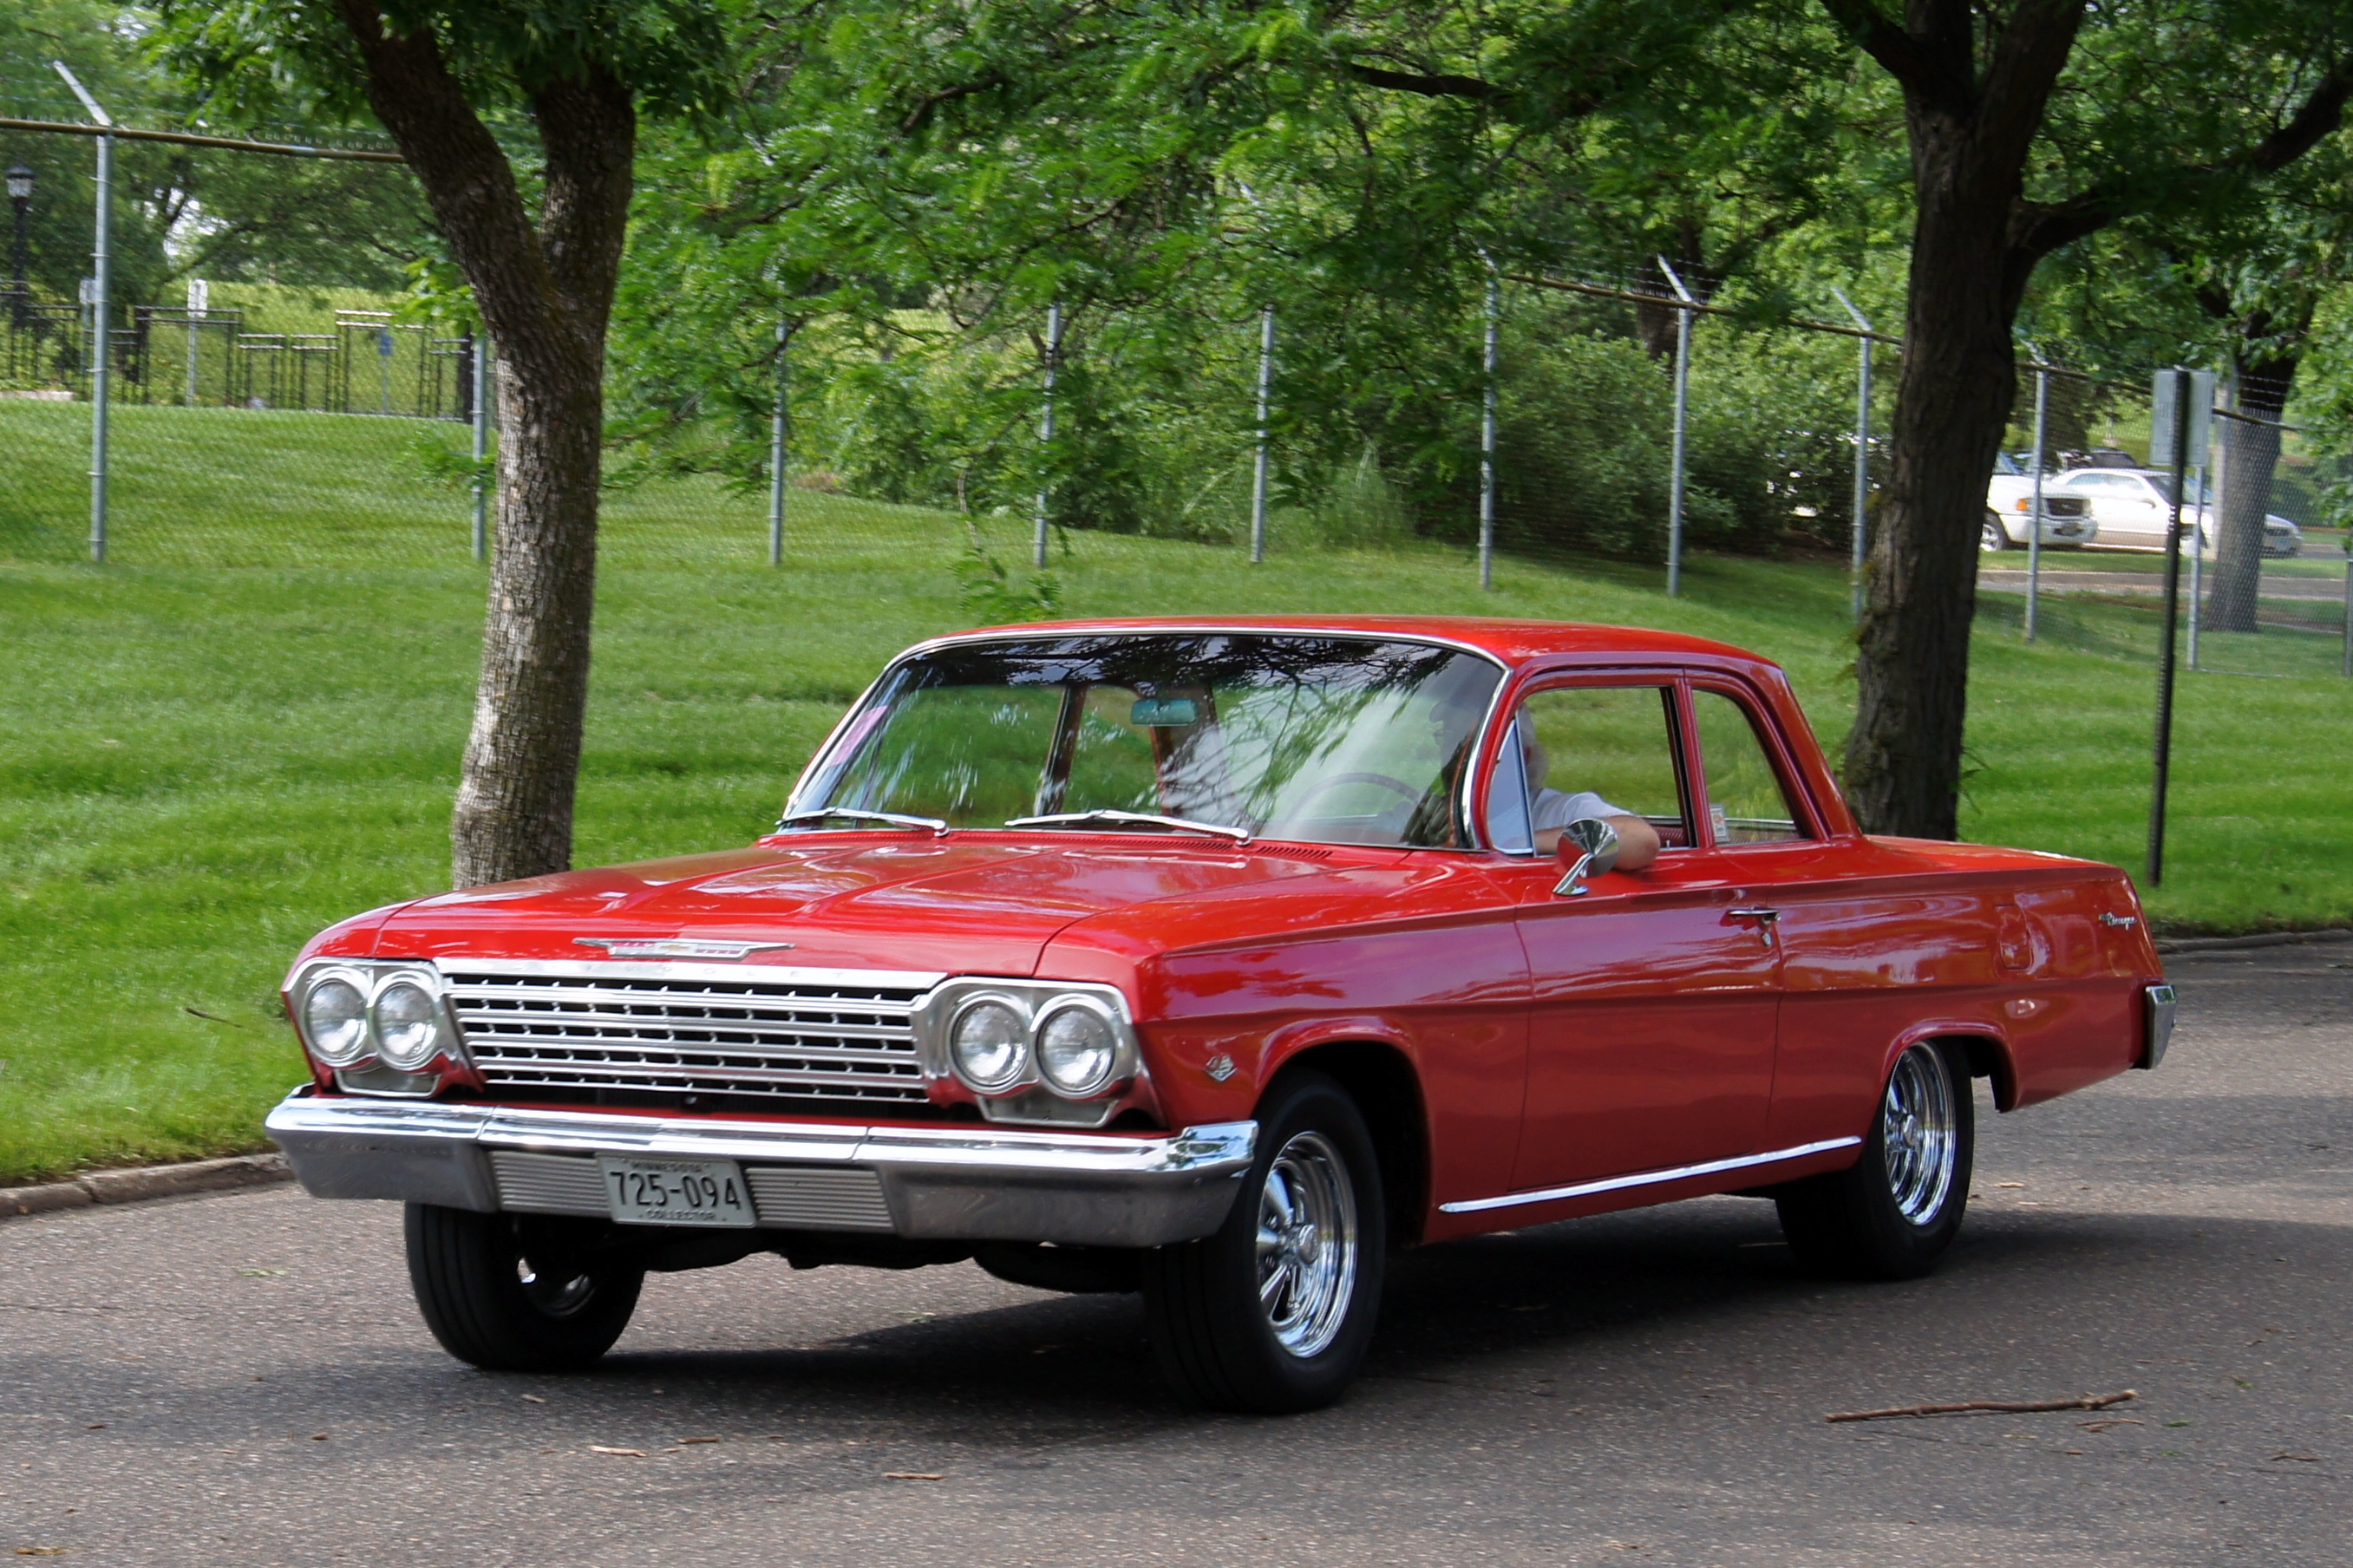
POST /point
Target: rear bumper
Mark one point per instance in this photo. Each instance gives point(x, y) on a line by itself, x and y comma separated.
point(948, 1183)
point(2157, 1006)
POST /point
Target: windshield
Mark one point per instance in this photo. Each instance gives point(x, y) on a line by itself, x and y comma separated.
point(1335, 740)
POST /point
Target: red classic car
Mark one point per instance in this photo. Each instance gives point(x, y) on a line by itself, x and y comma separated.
point(1215, 960)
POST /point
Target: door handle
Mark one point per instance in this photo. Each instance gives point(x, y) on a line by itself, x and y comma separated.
point(1765, 918)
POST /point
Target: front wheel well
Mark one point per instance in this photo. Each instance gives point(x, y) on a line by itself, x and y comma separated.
point(1382, 1082)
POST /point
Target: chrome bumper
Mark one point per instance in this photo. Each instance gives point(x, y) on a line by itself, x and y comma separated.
point(947, 1184)
point(2157, 1001)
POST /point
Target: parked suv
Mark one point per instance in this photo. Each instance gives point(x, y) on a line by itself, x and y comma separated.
point(2009, 500)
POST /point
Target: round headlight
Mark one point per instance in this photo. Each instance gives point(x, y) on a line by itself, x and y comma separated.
point(408, 1024)
point(335, 1021)
point(991, 1042)
point(1077, 1048)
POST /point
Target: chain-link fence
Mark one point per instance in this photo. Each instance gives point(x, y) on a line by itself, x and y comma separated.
point(1630, 424)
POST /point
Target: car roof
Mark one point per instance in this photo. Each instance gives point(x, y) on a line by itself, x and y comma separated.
point(1508, 641)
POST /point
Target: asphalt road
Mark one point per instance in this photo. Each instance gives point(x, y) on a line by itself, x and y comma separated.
point(240, 1379)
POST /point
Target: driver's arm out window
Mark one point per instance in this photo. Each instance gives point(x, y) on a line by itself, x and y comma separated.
point(1745, 801)
point(1615, 742)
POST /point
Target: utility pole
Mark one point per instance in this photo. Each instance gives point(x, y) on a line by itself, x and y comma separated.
point(102, 336)
point(1682, 421)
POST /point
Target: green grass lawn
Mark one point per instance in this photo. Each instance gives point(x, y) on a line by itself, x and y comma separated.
point(203, 765)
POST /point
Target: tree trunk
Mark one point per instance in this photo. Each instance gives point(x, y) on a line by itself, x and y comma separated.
point(545, 294)
point(1903, 766)
point(2251, 455)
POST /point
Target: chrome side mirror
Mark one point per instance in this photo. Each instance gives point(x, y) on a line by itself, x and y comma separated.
point(1589, 846)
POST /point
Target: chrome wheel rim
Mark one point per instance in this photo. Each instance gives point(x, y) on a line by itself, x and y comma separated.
point(1306, 1245)
point(1919, 1132)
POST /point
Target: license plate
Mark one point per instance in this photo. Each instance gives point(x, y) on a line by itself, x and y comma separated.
point(676, 1192)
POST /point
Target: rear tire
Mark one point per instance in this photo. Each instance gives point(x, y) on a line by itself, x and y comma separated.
point(1272, 1313)
point(1893, 1213)
point(503, 1292)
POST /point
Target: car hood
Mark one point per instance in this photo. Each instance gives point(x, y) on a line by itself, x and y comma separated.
point(960, 904)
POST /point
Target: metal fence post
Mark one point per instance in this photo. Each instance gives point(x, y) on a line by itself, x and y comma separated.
point(2348, 603)
point(1266, 391)
point(482, 443)
point(1682, 419)
point(199, 302)
point(1861, 460)
point(2034, 527)
point(102, 336)
point(1046, 423)
point(776, 432)
point(1487, 441)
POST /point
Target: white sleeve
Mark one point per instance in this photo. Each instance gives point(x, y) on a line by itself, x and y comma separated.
point(1553, 809)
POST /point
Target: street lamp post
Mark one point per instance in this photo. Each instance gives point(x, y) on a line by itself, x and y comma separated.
point(20, 196)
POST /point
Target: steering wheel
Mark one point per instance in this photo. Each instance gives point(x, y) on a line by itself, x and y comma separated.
point(1412, 794)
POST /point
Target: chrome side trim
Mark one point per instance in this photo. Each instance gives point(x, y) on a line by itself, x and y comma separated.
point(967, 1181)
point(1647, 1178)
point(2159, 1001)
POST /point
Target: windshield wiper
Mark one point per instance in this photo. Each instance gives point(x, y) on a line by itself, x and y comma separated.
point(932, 824)
point(1137, 818)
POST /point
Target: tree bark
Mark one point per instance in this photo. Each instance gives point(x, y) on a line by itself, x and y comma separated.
point(2251, 455)
point(545, 294)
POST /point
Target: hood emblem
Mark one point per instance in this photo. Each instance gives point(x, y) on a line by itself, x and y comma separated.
point(674, 947)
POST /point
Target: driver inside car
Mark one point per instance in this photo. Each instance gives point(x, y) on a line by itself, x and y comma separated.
point(1551, 810)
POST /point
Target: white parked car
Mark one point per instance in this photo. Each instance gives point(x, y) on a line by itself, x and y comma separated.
point(2010, 497)
point(2134, 507)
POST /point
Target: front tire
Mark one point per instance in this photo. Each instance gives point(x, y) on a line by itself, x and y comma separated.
point(1992, 536)
point(1893, 1213)
point(504, 1292)
point(1272, 1313)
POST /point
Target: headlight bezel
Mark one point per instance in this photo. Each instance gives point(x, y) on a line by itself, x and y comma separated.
point(1094, 1084)
point(376, 1065)
point(1023, 1064)
point(307, 988)
point(1036, 1002)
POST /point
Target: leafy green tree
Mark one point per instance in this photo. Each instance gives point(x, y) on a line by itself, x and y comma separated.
point(2033, 124)
point(540, 248)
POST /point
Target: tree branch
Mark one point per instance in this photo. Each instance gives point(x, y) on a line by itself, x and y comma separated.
point(2041, 227)
point(1904, 56)
point(1439, 86)
point(920, 116)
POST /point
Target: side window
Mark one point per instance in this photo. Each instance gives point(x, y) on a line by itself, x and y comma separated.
point(1594, 750)
point(1746, 802)
point(1507, 799)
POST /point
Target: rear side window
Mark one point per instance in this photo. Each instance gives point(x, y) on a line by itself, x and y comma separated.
point(1747, 801)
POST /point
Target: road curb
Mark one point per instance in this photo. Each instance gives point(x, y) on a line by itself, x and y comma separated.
point(2260, 939)
point(145, 1183)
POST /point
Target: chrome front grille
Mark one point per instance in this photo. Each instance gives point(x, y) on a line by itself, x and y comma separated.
point(686, 1032)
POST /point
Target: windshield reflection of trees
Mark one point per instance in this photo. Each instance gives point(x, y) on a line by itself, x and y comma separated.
point(1280, 726)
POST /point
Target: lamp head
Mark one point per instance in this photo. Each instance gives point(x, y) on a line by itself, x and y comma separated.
point(20, 183)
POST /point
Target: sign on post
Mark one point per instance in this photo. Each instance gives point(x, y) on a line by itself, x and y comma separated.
point(2164, 420)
